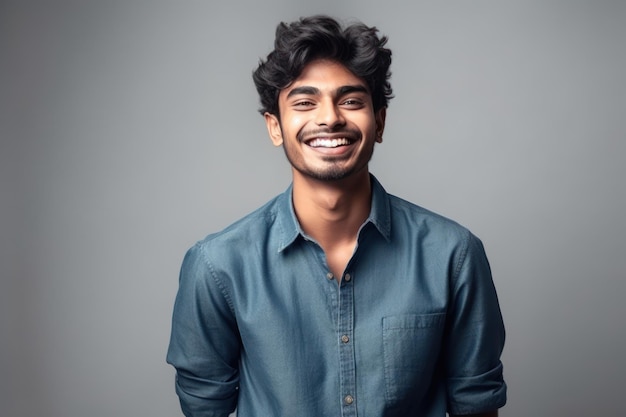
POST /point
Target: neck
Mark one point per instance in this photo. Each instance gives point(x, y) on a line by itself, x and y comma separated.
point(332, 212)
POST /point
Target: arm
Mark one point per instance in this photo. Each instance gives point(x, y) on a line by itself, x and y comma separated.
point(474, 336)
point(204, 345)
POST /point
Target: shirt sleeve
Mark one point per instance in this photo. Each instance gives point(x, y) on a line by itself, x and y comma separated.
point(475, 336)
point(204, 345)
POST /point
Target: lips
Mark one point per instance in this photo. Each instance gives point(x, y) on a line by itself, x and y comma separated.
point(328, 142)
point(327, 139)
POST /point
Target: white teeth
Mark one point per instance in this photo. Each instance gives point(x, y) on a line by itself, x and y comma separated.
point(328, 143)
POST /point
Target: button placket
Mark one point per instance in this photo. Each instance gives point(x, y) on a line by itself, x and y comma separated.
point(345, 336)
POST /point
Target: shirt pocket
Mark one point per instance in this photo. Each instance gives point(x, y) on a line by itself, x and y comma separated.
point(411, 345)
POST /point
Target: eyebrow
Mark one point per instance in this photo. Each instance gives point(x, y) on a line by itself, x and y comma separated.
point(312, 91)
point(349, 89)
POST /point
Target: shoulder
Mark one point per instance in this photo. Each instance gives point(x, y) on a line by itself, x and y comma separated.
point(408, 215)
point(257, 222)
point(439, 238)
point(250, 227)
point(242, 236)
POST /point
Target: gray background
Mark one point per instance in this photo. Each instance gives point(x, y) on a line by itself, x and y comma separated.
point(129, 131)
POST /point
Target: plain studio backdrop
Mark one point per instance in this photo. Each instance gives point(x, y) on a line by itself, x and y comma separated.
point(129, 130)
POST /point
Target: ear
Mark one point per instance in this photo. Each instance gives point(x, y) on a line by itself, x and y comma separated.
point(380, 116)
point(273, 128)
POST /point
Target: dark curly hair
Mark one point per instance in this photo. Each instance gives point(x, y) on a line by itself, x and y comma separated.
point(357, 47)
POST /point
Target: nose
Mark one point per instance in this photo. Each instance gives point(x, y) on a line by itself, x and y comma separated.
point(329, 115)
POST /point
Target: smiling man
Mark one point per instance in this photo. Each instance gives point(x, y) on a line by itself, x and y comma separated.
point(335, 298)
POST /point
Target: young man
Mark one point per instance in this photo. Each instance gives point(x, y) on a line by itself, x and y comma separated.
point(335, 298)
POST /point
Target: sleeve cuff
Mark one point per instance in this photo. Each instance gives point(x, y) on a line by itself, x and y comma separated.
point(477, 394)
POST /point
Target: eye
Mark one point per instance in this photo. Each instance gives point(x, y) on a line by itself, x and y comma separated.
point(303, 104)
point(352, 103)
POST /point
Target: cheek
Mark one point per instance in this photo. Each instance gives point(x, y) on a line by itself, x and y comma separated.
point(296, 123)
point(297, 120)
point(365, 121)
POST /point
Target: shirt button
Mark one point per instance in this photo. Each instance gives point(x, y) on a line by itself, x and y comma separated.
point(330, 275)
point(348, 399)
point(345, 338)
point(347, 277)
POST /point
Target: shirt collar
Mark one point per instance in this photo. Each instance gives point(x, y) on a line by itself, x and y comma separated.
point(290, 228)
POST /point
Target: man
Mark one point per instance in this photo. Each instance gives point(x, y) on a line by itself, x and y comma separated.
point(335, 298)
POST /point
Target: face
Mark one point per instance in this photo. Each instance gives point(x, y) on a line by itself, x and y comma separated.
point(327, 123)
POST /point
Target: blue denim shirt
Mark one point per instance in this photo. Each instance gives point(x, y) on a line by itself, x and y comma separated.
point(414, 328)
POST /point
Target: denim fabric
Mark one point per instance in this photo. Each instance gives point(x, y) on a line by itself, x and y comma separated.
point(414, 328)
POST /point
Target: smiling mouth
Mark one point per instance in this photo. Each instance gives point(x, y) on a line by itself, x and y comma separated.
point(328, 143)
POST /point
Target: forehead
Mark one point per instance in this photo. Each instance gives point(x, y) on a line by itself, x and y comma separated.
point(325, 76)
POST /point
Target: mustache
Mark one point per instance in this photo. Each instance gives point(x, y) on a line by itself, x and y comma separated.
point(350, 134)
